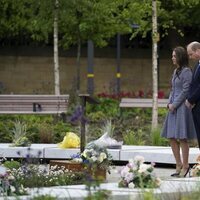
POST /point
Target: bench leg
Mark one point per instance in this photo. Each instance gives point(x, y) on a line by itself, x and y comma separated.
point(63, 117)
point(120, 112)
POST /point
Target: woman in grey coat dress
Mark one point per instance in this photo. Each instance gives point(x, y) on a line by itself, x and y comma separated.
point(179, 126)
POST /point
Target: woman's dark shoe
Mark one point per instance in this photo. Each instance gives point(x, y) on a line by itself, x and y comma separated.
point(177, 173)
point(184, 172)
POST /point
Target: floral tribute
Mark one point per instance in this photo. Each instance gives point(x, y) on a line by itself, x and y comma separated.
point(137, 174)
point(95, 157)
point(195, 171)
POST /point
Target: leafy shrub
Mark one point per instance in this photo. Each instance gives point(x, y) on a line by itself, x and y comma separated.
point(97, 116)
point(12, 164)
point(110, 107)
point(156, 138)
point(46, 133)
point(60, 129)
point(134, 138)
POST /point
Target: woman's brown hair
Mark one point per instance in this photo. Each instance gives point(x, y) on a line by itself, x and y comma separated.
point(181, 58)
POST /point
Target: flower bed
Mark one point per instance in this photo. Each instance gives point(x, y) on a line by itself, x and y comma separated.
point(15, 177)
point(97, 174)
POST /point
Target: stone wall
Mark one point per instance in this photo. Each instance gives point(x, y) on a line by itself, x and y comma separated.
point(32, 75)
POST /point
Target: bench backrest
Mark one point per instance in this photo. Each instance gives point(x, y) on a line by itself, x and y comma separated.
point(33, 104)
point(141, 103)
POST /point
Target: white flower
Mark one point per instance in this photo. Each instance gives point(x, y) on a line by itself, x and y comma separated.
point(158, 181)
point(143, 168)
point(131, 185)
point(78, 160)
point(12, 188)
point(131, 161)
point(93, 158)
point(85, 153)
point(139, 159)
point(197, 167)
point(102, 157)
point(10, 177)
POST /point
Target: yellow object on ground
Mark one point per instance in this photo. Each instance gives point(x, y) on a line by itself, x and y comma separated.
point(71, 140)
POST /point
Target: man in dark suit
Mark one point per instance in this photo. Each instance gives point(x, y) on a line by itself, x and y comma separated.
point(193, 99)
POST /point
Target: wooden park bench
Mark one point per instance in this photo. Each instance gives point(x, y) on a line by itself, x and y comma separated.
point(44, 104)
point(33, 104)
point(141, 103)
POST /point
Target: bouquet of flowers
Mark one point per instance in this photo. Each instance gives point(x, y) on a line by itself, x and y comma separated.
point(94, 157)
point(137, 174)
point(195, 171)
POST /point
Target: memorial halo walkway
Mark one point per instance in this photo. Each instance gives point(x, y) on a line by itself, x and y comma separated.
point(157, 154)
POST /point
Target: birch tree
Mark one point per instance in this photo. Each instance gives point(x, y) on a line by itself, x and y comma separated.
point(44, 22)
point(155, 39)
point(56, 55)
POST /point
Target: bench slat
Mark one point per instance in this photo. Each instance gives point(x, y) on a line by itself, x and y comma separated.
point(141, 103)
point(31, 112)
point(23, 104)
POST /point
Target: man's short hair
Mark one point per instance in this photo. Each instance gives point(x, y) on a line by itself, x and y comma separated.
point(194, 45)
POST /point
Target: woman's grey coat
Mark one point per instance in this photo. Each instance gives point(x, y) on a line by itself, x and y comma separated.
point(179, 124)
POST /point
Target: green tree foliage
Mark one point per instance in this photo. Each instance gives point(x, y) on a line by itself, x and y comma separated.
point(79, 20)
point(97, 20)
point(179, 14)
point(14, 15)
point(41, 18)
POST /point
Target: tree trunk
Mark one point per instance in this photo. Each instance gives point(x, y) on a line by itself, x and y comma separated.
point(56, 58)
point(78, 65)
point(155, 39)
